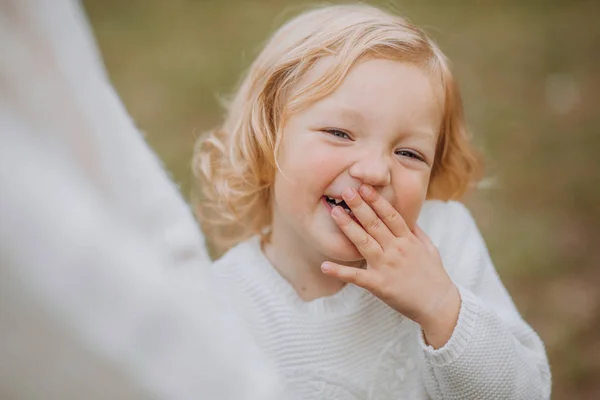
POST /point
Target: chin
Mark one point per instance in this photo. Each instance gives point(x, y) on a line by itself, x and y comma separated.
point(342, 250)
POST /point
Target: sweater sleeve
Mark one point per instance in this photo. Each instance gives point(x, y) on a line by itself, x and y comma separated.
point(493, 353)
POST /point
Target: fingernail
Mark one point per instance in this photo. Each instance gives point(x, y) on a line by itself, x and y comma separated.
point(337, 212)
point(349, 193)
point(365, 190)
point(325, 267)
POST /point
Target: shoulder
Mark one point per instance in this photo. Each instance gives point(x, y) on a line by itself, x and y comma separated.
point(444, 219)
point(452, 229)
point(236, 274)
point(236, 260)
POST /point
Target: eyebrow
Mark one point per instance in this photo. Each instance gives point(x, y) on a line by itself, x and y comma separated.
point(351, 112)
point(425, 133)
point(343, 111)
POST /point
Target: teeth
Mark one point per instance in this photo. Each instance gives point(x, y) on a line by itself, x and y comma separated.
point(338, 202)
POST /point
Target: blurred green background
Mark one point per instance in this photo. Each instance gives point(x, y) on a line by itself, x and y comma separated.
point(530, 75)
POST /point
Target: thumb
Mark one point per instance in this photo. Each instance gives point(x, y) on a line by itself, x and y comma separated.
point(358, 276)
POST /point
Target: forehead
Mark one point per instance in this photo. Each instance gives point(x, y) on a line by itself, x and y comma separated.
point(381, 93)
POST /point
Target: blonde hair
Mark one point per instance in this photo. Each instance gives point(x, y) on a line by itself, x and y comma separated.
point(235, 165)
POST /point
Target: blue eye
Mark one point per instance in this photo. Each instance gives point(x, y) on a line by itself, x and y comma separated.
point(338, 133)
point(409, 154)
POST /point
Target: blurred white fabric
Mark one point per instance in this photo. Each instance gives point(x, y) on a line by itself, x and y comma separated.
point(103, 292)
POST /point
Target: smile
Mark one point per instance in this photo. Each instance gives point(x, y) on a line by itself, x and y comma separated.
point(332, 202)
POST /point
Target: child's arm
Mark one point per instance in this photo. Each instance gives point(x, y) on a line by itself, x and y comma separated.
point(493, 352)
point(483, 349)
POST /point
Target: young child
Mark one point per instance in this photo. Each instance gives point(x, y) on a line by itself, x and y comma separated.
point(334, 178)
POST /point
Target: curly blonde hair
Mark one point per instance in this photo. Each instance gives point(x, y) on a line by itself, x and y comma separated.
point(235, 165)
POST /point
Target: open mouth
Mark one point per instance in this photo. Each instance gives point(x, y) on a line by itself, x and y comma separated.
point(332, 202)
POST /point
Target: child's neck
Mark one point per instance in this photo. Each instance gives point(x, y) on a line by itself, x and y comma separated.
point(301, 268)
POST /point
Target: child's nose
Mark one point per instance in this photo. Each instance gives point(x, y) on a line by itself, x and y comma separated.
point(373, 170)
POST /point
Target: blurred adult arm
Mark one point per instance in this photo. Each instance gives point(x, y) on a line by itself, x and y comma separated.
point(93, 234)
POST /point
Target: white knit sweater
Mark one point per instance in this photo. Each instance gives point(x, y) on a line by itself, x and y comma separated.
point(351, 346)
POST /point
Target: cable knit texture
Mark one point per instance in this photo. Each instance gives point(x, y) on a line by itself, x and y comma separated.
point(352, 346)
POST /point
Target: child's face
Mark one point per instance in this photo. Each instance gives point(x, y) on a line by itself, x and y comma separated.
point(379, 127)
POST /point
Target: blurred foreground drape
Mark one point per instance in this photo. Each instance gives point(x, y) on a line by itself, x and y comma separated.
point(102, 287)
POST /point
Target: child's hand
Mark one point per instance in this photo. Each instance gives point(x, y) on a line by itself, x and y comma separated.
point(404, 268)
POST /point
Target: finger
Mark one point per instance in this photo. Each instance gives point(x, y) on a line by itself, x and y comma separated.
point(422, 236)
point(386, 212)
point(366, 279)
point(366, 245)
point(367, 217)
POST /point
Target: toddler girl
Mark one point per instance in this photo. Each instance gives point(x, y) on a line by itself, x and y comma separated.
point(333, 184)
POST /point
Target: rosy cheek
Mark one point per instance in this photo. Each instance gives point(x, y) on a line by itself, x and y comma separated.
point(326, 161)
point(410, 189)
point(318, 159)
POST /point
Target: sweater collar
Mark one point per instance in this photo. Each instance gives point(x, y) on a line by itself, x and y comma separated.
point(342, 302)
